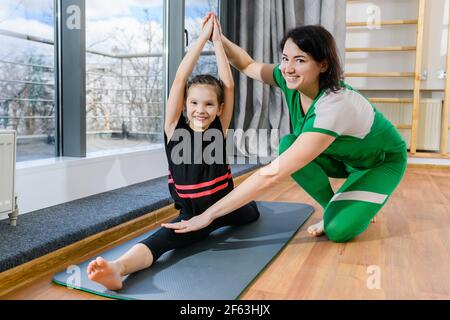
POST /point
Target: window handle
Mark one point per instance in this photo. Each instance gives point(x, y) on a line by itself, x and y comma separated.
point(186, 36)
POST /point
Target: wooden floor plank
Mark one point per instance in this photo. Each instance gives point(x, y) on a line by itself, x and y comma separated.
point(409, 244)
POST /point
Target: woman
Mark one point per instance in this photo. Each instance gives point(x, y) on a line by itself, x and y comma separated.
point(336, 133)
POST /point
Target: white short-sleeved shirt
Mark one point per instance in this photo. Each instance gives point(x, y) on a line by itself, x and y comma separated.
point(363, 135)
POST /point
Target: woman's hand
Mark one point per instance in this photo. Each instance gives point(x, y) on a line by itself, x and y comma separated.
point(217, 30)
point(195, 223)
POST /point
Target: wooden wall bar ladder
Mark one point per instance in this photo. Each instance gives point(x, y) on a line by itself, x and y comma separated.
point(416, 75)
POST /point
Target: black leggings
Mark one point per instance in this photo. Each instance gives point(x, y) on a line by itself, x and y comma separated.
point(166, 239)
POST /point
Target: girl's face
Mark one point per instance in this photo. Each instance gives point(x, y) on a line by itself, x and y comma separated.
point(202, 106)
point(299, 68)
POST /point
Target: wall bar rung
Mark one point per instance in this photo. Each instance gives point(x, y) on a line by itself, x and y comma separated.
point(380, 74)
point(391, 100)
point(382, 23)
point(381, 49)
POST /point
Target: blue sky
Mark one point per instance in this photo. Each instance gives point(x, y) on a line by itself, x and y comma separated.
point(38, 10)
point(192, 10)
point(41, 10)
point(35, 17)
point(156, 13)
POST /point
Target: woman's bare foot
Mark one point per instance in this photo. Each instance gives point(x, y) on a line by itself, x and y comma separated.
point(107, 273)
point(317, 229)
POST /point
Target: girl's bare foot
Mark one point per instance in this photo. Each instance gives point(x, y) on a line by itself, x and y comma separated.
point(317, 229)
point(106, 273)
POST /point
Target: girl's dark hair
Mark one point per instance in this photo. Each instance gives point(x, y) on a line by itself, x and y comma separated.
point(207, 80)
point(320, 44)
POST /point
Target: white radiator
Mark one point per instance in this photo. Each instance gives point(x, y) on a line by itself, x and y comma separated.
point(7, 174)
point(428, 131)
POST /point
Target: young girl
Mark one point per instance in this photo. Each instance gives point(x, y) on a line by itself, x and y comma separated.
point(194, 183)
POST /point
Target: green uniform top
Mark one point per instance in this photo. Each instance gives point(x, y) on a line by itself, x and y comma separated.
point(363, 135)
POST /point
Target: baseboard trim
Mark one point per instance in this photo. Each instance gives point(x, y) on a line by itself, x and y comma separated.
point(428, 166)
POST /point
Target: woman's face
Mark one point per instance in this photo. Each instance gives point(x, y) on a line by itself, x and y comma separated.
point(299, 68)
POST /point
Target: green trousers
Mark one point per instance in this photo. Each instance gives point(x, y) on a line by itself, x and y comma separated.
point(349, 211)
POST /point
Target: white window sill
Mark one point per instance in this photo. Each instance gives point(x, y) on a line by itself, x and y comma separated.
point(48, 182)
point(31, 166)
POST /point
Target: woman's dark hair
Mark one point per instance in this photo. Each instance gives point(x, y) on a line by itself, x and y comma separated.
point(320, 44)
point(207, 80)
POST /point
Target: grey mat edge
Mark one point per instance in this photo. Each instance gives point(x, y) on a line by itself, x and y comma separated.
point(96, 293)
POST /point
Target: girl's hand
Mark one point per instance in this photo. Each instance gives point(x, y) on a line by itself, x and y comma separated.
point(207, 26)
point(217, 30)
point(195, 223)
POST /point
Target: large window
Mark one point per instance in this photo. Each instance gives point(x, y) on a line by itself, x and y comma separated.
point(27, 75)
point(124, 73)
point(195, 10)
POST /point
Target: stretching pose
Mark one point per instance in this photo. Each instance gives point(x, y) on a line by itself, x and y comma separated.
point(337, 133)
point(194, 182)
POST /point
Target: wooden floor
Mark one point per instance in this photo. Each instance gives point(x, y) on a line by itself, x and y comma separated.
point(409, 246)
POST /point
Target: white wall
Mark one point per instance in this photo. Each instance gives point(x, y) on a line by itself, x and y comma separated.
point(44, 183)
point(434, 47)
point(434, 43)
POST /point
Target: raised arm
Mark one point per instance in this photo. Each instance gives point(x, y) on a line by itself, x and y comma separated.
point(175, 101)
point(224, 75)
point(242, 61)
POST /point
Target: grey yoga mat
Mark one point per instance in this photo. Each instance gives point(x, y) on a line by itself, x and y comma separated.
point(217, 268)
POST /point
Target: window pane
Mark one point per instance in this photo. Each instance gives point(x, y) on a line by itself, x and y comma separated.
point(124, 80)
point(207, 64)
point(195, 10)
point(27, 76)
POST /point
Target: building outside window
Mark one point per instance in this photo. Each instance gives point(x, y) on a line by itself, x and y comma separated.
point(27, 78)
point(124, 72)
